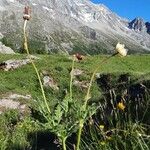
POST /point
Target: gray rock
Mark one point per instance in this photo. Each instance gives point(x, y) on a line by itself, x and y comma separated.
point(18, 96)
point(81, 84)
point(5, 50)
point(13, 64)
point(1, 36)
point(76, 72)
point(11, 101)
point(148, 27)
point(49, 82)
point(9, 104)
point(138, 24)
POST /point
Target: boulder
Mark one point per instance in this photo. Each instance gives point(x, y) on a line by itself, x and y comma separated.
point(81, 84)
point(76, 72)
point(13, 64)
point(11, 101)
point(49, 82)
point(5, 50)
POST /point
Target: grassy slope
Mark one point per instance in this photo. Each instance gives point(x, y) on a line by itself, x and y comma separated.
point(24, 80)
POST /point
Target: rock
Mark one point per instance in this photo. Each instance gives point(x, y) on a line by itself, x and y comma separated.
point(76, 72)
point(1, 36)
point(148, 27)
point(137, 24)
point(5, 50)
point(32, 57)
point(17, 96)
point(49, 82)
point(81, 84)
point(88, 32)
point(9, 104)
point(12, 102)
point(13, 64)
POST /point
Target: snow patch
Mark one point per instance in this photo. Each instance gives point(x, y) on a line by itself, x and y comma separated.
point(2, 8)
point(34, 4)
point(46, 8)
point(12, 1)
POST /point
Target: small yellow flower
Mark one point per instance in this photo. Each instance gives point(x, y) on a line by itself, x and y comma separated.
point(108, 137)
point(101, 127)
point(121, 106)
point(102, 142)
point(121, 50)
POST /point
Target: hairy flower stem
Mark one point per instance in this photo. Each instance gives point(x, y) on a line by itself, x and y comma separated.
point(71, 76)
point(87, 97)
point(79, 133)
point(64, 143)
point(34, 66)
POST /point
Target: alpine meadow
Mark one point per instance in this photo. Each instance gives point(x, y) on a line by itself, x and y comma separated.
point(74, 76)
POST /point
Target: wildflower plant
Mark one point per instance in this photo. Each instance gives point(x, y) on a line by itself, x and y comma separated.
point(68, 115)
point(63, 119)
point(26, 18)
point(119, 50)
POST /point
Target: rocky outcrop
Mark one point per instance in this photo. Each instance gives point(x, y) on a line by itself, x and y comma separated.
point(81, 84)
point(137, 24)
point(48, 80)
point(5, 50)
point(76, 72)
point(148, 27)
point(1, 36)
point(13, 64)
point(12, 101)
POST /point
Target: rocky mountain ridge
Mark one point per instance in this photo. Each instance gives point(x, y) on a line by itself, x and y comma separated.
point(138, 24)
point(71, 25)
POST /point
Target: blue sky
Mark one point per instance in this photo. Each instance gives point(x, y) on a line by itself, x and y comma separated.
point(128, 8)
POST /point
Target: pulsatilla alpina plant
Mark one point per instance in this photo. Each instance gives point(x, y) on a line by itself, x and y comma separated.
point(27, 13)
point(69, 115)
point(63, 120)
point(119, 50)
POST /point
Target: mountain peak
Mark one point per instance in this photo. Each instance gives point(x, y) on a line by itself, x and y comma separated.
point(148, 27)
point(137, 24)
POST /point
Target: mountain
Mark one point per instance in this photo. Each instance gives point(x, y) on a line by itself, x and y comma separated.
point(148, 27)
point(71, 25)
point(138, 24)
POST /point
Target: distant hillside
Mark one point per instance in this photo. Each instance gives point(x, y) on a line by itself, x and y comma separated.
point(72, 25)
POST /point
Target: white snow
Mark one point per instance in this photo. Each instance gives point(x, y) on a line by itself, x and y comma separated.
point(46, 8)
point(2, 8)
point(34, 4)
point(72, 14)
point(12, 1)
point(87, 17)
point(49, 9)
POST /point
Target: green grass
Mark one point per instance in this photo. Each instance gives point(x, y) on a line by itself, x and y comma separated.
point(23, 80)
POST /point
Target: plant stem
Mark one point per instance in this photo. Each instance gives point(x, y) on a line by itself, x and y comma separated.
point(64, 143)
point(34, 66)
point(71, 76)
point(79, 133)
point(87, 97)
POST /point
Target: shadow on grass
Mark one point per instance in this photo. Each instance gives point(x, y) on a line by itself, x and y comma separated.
point(43, 140)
